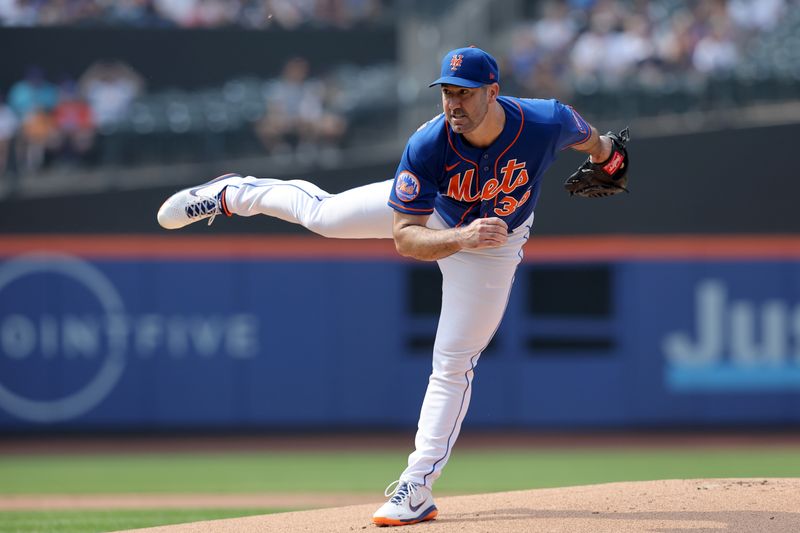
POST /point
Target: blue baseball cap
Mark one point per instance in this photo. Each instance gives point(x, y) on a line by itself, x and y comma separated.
point(468, 67)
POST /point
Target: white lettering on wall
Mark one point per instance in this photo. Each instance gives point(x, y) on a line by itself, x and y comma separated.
point(750, 333)
point(146, 336)
point(206, 335)
point(17, 336)
point(242, 336)
point(81, 337)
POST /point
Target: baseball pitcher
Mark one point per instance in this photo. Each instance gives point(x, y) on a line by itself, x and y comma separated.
point(463, 195)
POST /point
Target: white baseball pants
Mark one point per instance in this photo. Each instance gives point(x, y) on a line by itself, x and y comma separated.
point(475, 288)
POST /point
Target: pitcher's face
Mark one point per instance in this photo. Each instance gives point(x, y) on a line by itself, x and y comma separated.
point(465, 108)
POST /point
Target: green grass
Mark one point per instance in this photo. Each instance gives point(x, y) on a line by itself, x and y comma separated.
point(468, 471)
point(99, 521)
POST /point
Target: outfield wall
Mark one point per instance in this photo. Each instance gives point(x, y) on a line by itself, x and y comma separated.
point(130, 332)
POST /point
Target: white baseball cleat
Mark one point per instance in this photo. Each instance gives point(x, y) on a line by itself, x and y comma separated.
point(409, 504)
point(197, 203)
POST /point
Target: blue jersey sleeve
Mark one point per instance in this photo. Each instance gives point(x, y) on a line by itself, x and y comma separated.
point(574, 130)
point(415, 189)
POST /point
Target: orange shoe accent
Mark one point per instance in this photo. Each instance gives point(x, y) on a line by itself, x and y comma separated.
point(224, 204)
point(380, 521)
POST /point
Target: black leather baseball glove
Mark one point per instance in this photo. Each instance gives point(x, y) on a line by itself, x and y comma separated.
point(596, 180)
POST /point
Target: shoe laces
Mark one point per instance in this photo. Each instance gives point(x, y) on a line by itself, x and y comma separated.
point(205, 206)
point(400, 491)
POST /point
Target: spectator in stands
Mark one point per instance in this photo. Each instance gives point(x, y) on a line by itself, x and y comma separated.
point(188, 13)
point(38, 135)
point(716, 53)
point(660, 44)
point(178, 11)
point(675, 42)
point(75, 128)
point(291, 13)
point(590, 56)
point(296, 112)
point(630, 47)
point(556, 30)
point(254, 14)
point(33, 99)
point(756, 16)
point(8, 129)
point(142, 13)
point(33, 92)
point(212, 13)
point(535, 69)
point(538, 49)
point(523, 59)
point(15, 13)
point(110, 87)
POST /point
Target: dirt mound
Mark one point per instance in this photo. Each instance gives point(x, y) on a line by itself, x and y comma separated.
point(725, 505)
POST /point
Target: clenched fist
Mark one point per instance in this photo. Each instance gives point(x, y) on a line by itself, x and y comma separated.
point(484, 233)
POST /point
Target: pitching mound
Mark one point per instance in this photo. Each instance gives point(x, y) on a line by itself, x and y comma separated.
point(725, 505)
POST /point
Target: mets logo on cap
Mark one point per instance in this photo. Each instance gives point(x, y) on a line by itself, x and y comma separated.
point(456, 61)
point(406, 186)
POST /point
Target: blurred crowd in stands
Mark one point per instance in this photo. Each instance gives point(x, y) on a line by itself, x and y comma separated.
point(56, 125)
point(595, 54)
point(255, 14)
point(300, 112)
point(42, 122)
point(590, 45)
